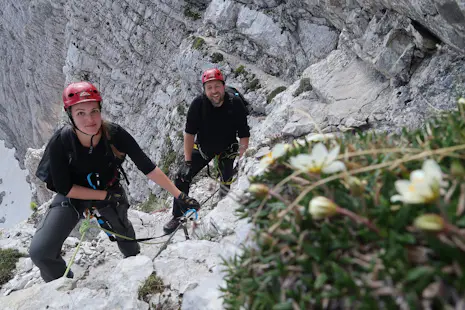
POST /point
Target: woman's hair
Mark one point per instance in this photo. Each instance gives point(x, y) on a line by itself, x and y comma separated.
point(108, 130)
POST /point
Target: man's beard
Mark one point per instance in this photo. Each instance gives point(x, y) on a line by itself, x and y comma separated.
point(217, 104)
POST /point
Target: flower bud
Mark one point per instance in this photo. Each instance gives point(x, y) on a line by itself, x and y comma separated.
point(356, 186)
point(321, 207)
point(457, 169)
point(429, 222)
point(266, 239)
point(259, 190)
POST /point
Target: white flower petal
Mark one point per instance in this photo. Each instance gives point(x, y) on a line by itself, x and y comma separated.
point(418, 176)
point(432, 170)
point(300, 142)
point(320, 152)
point(301, 161)
point(333, 167)
point(320, 137)
point(402, 186)
point(332, 155)
point(397, 198)
point(316, 137)
point(279, 150)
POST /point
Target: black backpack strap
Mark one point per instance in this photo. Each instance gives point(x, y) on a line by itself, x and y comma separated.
point(234, 93)
point(107, 138)
point(204, 107)
point(68, 141)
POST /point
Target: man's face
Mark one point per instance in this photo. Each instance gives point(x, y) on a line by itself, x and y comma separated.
point(215, 92)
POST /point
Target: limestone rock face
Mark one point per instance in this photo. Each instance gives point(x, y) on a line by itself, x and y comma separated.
point(32, 34)
point(146, 58)
point(333, 65)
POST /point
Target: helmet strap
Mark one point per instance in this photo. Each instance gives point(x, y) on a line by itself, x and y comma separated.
point(76, 128)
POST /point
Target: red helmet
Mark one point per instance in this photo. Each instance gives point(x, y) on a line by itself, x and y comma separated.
point(212, 74)
point(79, 92)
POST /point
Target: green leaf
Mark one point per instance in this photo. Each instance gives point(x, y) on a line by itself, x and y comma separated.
point(314, 252)
point(283, 306)
point(320, 280)
point(418, 272)
point(461, 222)
point(406, 238)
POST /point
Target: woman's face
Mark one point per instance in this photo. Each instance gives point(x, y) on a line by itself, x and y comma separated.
point(86, 116)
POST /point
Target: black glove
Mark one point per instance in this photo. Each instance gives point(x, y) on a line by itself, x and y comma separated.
point(114, 196)
point(187, 202)
point(185, 171)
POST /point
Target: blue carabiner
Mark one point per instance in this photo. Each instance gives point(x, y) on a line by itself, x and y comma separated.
point(194, 211)
point(90, 181)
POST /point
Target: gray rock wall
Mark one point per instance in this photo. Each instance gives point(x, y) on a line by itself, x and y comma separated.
point(147, 56)
point(31, 35)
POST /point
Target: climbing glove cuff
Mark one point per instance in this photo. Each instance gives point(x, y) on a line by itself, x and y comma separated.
point(114, 196)
point(188, 202)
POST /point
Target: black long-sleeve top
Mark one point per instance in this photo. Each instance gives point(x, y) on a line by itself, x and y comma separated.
point(66, 172)
point(217, 128)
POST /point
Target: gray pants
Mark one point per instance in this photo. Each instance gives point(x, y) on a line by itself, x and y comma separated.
point(56, 225)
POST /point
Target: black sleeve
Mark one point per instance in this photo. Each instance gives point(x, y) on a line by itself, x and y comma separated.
point(59, 166)
point(241, 119)
point(125, 143)
point(194, 116)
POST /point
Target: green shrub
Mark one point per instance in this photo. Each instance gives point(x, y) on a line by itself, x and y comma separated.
point(191, 14)
point(273, 94)
point(33, 206)
point(152, 285)
point(217, 57)
point(169, 159)
point(170, 155)
point(254, 85)
point(181, 109)
point(240, 70)
point(198, 43)
point(375, 235)
point(304, 86)
point(152, 204)
point(8, 260)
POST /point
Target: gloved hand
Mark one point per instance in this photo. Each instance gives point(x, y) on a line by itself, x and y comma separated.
point(187, 202)
point(185, 171)
point(114, 196)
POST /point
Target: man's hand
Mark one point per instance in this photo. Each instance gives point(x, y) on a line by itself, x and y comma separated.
point(185, 171)
point(187, 202)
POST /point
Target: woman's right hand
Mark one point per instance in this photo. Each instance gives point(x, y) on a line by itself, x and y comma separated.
point(113, 196)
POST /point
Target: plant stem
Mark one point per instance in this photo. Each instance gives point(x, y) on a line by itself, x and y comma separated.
point(357, 218)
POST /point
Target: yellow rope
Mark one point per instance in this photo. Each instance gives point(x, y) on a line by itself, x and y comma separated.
point(82, 230)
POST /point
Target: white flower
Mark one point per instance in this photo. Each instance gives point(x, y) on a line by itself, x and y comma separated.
point(319, 161)
point(278, 151)
point(319, 137)
point(429, 222)
point(423, 187)
point(321, 207)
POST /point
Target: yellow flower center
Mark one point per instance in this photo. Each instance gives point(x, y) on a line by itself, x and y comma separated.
point(411, 188)
point(314, 169)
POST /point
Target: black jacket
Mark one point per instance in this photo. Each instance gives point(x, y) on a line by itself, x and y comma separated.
point(217, 128)
point(65, 173)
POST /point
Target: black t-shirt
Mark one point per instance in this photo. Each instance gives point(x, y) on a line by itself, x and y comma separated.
point(84, 165)
point(217, 128)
